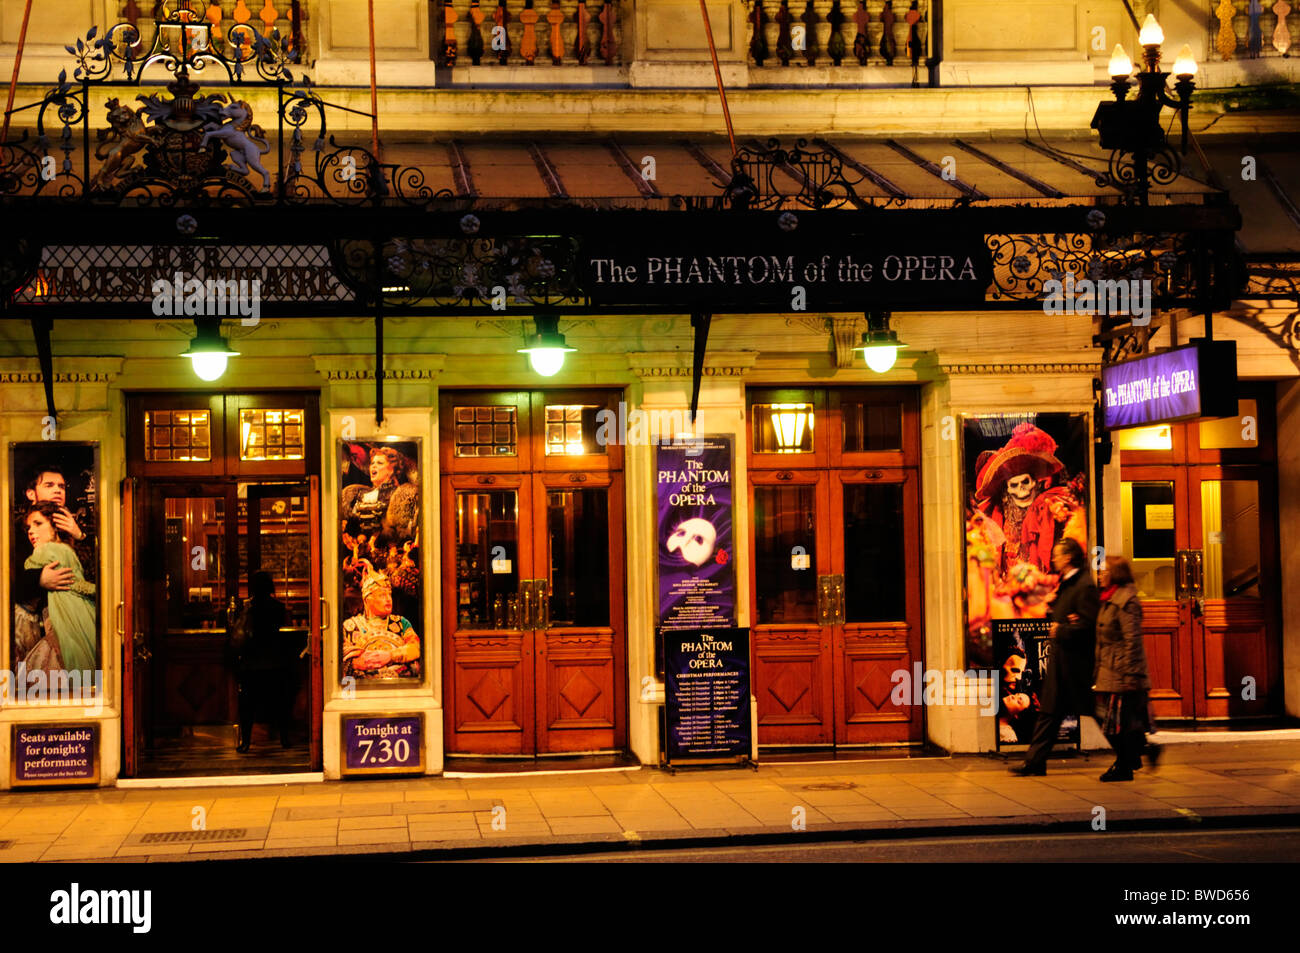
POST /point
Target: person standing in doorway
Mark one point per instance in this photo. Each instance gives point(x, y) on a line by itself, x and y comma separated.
point(1067, 681)
point(1120, 679)
point(261, 662)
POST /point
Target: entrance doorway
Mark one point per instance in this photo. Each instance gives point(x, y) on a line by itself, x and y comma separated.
point(835, 497)
point(534, 639)
point(1199, 521)
point(194, 544)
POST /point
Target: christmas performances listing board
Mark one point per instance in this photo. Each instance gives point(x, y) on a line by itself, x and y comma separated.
point(707, 695)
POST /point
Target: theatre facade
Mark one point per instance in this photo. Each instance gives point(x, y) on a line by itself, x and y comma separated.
point(495, 411)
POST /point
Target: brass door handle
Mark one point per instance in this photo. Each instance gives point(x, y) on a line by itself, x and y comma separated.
point(838, 584)
point(543, 604)
point(324, 614)
point(1197, 560)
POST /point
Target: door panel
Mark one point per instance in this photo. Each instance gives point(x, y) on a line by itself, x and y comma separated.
point(1156, 534)
point(579, 636)
point(135, 654)
point(878, 550)
point(1232, 639)
point(1204, 556)
point(488, 658)
point(791, 633)
point(317, 623)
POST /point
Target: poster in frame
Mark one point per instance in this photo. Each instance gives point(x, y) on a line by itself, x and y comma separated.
point(696, 566)
point(54, 569)
point(381, 627)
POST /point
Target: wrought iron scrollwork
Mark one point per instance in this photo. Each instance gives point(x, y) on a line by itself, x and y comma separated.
point(759, 174)
point(1023, 264)
point(513, 272)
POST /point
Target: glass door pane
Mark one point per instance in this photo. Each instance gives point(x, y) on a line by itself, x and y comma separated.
point(875, 564)
point(1230, 536)
point(487, 559)
point(578, 550)
point(785, 547)
point(1150, 537)
point(195, 573)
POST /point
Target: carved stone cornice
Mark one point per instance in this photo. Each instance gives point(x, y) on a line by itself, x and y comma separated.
point(663, 365)
point(963, 367)
point(85, 370)
point(398, 368)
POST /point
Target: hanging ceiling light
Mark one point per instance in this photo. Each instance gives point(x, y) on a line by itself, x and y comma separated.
point(209, 350)
point(880, 346)
point(546, 348)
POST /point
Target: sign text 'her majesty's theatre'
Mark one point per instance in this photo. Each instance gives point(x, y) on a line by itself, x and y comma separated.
point(706, 695)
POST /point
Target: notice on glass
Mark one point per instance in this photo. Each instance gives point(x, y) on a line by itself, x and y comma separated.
point(697, 581)
point(706, 695)
point(56, 754)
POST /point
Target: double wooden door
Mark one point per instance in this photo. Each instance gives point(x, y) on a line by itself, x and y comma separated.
point(835, 508)
point(533, 597)
point(1199, 524)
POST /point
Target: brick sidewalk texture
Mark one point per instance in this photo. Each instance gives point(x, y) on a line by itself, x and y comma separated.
point(556, 811)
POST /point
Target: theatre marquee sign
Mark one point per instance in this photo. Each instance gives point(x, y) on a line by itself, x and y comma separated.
point(781, 273)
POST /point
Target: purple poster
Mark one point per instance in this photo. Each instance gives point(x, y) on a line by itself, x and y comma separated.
point(1150, 390)
point(55, 754)
point(697, 579)
point(385, 744)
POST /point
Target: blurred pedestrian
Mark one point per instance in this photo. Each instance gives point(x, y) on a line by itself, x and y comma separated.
point(261, 663)
point(1121, 679)
point(1067, 681)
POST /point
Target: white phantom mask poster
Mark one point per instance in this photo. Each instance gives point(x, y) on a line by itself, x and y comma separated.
point(696, 578)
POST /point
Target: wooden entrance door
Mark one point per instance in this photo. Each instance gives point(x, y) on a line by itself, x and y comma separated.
point(1200, 527)
point(533, 600)
point(834, 498)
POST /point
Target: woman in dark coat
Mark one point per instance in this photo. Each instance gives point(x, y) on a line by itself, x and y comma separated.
point(1121, 680)
point(1067, 681)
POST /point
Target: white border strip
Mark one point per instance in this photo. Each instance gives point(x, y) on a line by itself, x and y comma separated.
point(222, 781)
point(533, 774)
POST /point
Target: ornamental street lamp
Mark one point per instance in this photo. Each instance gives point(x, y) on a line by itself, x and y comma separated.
point(880, 345)
point(1131, 128)
point(209, 350)
point(546, 348)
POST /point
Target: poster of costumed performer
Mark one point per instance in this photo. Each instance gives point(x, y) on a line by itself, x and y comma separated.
point(1023, 501)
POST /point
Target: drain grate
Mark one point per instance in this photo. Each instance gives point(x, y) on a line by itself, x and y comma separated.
point(174, 837)
point(1254, 772)
point(830, 786)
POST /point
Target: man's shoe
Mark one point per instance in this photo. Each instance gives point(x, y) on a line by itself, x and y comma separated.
point(1028, 771)
point(1116, 773)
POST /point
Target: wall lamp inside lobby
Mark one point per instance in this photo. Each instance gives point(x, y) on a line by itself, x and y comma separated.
point(209, 350)
point(880, 345)
point(546, 348)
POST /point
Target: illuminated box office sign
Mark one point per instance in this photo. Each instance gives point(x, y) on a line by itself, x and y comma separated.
point(1199, 380)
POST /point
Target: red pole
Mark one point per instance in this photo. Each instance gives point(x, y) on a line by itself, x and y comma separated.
point(18, 62)
point(717, 73)
point(374, 95)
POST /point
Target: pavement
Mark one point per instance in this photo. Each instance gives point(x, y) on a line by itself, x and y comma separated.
point(1219, 783)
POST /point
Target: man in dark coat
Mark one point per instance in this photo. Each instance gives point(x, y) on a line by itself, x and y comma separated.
point(1067, 682)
